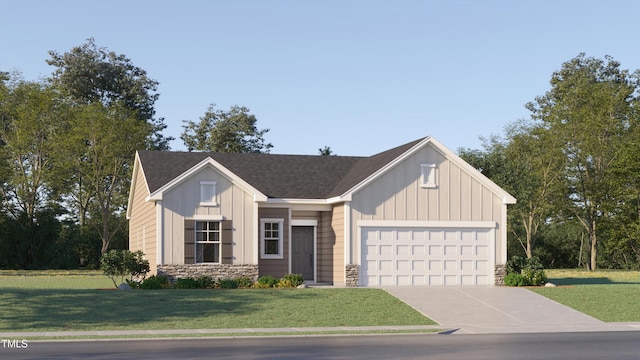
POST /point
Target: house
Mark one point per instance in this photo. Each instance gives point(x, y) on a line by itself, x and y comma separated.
point(416, 215)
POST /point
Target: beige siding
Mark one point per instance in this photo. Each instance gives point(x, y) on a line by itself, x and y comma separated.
point(326, 241)
point(397, 195)
point(183, 202)
point(142, 225)
point(275, 267)
point(337, 225)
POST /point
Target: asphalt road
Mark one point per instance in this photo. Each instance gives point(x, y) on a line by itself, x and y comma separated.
point(567, 346)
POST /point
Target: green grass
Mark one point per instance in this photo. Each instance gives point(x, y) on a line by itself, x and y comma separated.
point(607, 295)
point(42, 302)
point(54, 279)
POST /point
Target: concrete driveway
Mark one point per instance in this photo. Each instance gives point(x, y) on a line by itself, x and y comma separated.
point(490, 310)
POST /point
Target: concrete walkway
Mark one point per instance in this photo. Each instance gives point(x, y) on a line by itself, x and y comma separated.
point(215, 332)
point(490, 310)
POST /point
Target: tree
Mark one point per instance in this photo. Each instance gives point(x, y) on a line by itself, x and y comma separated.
point(590, 107)
point(98, 145)
point(88, 74)
point(536, 162)
point(30, 118)
point(225, 131)
point(113, 116)
point(326, 151)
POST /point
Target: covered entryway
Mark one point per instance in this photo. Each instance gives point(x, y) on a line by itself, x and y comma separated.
point(302, 251)
point(445, 253)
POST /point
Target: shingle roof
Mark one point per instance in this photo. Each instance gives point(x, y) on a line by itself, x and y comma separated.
point(276, 176)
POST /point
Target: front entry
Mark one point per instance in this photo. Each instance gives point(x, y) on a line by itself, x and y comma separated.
point(302, 252)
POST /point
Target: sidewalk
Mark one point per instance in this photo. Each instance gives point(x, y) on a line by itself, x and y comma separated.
point(214, 332)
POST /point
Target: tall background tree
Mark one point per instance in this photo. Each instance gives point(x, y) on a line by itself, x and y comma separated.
point(113, 102)
point(590, 107)
point(573, 167)
point(234, 130)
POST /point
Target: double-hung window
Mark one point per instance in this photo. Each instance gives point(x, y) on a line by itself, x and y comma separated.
point(207, 242)
point(271, 235)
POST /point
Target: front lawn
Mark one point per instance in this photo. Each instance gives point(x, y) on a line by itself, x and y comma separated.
point(59, 303)
point(611, 296)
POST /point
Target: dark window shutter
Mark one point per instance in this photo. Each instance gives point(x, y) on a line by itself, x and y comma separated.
point(227, 242)
point(189, 241)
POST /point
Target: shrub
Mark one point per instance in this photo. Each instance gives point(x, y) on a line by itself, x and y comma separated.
point(186, 283)
point(155, 282)
point(244, 282)
point(228, 283)
point(515, 279)
point(266, 282)
point(291, 280)
point(205, 282)
point(525, 272)
point(121, 263)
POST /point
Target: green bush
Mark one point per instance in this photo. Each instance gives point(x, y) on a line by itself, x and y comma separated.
point(227, 283)
point(522, 271)
point(155, 282)
point(291, 280)
point(244, 282)
point(122, 263)
point(205, 282)
point(266, 282)
point(515, 279)
point(186, 283)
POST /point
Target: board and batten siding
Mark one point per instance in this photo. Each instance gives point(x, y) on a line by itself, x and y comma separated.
point(398, 195)
point(142, 227)
point(338, 249)
point(183, 203)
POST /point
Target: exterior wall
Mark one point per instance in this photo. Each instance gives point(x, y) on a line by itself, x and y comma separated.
point(142, 225)
point(397, 195)
point(337, 226)
point(233, 203)
point(326, 242)
point(275, 267)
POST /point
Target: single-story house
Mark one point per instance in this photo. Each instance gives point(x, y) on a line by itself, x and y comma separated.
point(413, 215)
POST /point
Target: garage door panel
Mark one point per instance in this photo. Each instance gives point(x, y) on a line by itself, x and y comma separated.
point(425, 256)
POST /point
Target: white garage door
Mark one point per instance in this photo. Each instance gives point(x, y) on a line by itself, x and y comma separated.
point(393, 256)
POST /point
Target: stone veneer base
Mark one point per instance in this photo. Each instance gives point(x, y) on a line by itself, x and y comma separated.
point(215, 271)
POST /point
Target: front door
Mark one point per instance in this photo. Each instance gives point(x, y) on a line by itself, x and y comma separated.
point(302, 251)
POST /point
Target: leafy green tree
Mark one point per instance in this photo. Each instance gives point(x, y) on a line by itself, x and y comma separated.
point(234, 130)
point(590, 107)
point(98, 145)
point(90, 74)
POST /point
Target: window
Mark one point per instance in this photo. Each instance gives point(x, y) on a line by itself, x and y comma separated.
point(271, 234)
point(207, 241)
point(428, 175)
point(208, 193)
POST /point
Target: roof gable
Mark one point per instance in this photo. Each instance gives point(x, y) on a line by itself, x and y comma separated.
point(293, 176)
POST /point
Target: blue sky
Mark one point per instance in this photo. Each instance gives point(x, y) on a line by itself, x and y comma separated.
point(358, 76)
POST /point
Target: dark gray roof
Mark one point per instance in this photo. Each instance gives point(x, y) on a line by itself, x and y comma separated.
point(276, 176)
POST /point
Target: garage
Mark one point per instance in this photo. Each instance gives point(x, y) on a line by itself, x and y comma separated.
point(447, 253)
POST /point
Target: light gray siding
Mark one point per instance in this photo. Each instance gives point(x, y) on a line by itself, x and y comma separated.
point(398, 195)
point(183, 202)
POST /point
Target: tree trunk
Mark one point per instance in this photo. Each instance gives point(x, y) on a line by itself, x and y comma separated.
point(593, 240)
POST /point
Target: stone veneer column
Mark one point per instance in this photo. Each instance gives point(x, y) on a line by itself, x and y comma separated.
point(500, 273)
point(352, 275)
